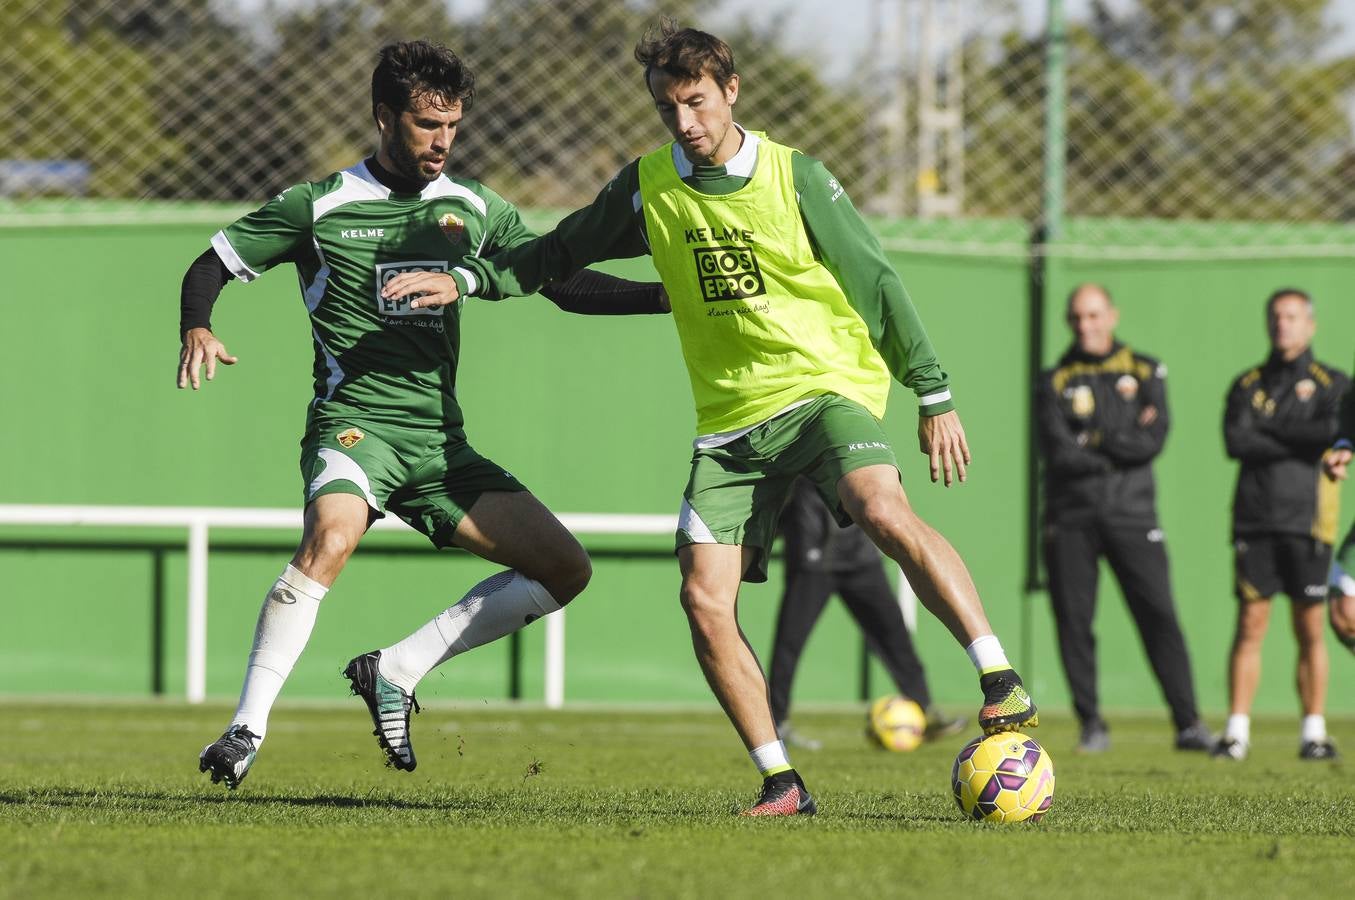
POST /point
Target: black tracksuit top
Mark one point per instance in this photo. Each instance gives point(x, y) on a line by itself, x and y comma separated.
point(1279, 419)
point(1097, 457)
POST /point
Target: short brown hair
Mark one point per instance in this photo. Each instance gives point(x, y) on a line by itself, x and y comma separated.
point(417, 70)
point(684, 53)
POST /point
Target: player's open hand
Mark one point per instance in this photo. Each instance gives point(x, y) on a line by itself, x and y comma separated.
point(201, 346)
point(1335, 464)
point(942, 439)
point(426, 290)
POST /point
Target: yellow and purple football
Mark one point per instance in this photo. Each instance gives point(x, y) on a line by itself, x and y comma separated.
point(1003, 778)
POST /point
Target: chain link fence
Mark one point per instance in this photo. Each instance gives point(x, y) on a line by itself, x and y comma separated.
point(1235, 115)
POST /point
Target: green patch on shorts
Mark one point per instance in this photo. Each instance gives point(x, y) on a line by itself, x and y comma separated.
point(428, 478)
point(737, 491)
point(1345, 554)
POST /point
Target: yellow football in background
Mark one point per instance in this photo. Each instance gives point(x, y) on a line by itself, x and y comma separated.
point(896, 723)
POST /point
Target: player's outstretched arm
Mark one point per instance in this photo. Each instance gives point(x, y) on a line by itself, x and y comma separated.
point(942, 438)
point(201, 347)
point(608, 228)
point(590, 293)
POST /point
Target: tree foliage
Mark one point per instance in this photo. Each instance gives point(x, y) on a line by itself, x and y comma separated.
point(1198, 109)
point(1205, 109)
point(193, 103)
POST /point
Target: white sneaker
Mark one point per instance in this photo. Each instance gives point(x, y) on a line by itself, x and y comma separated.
point(1229, 748)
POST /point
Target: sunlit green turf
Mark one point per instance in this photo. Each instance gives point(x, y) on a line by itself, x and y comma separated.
point(107, 800)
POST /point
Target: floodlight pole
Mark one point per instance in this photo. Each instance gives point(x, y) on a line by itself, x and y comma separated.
point(1055, 137)
point(1048, 230)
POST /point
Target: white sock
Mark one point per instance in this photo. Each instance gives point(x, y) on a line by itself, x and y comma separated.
point(1314, 728)
point(285, 624)
point(771, 758)
point(1238, 728)
point(499, 605)
point(987, 655)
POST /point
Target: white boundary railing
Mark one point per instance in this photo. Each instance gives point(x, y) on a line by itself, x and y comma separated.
point(199, 520)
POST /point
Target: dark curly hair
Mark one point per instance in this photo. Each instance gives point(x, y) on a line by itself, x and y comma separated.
point(412, 71)
point(684, 53)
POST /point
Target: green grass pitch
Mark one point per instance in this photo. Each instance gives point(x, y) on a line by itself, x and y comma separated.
point(106, 800)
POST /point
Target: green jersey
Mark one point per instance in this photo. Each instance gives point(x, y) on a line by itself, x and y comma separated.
point(376, 360)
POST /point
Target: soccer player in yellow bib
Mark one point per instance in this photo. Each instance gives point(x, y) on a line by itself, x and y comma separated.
point(791, 322)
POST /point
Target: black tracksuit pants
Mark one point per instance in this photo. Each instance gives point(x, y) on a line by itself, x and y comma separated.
point(872, 603)
point(1072, 553)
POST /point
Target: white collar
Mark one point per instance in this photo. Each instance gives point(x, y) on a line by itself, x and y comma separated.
point(741, 164)
point(438, 187)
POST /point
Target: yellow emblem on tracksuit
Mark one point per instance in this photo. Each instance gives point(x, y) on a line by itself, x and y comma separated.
point(1083, 401)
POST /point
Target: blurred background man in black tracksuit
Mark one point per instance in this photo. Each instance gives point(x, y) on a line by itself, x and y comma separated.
point(823, 559)
point(1281, 418)
point(1102, 417)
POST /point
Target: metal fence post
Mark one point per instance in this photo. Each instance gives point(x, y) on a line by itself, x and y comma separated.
point(196, 676)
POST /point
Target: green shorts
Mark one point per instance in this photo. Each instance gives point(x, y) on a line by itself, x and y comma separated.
point(736, 491)
point(429, 478)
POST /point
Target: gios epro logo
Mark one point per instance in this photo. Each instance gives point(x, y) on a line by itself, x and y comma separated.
point(398, 307)
point(728, 273)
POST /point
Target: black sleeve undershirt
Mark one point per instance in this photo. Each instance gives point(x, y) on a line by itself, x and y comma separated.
point(585, 292)
point(202, 284)
point(592, 293)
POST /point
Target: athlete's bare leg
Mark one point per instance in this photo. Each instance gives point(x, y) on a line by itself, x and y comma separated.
point(1312, 663)
point(517, 530)
point(334, 523)
point(711, 574)
point(1244, 663)
point(875, 500)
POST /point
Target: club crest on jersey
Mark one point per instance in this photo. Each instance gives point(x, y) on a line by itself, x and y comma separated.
point(453, 228)
point(349, 436)
point(1082, 400)
point(1305, 389)
point(1127, 386)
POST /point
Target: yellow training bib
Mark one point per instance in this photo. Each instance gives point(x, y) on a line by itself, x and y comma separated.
point(762, 322)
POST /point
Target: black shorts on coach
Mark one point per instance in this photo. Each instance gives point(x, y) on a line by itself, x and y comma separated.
point(1269, 564)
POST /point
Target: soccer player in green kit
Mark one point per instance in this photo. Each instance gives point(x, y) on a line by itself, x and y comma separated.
point(1336, 465)
point(791, 322)
point(384, 431)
